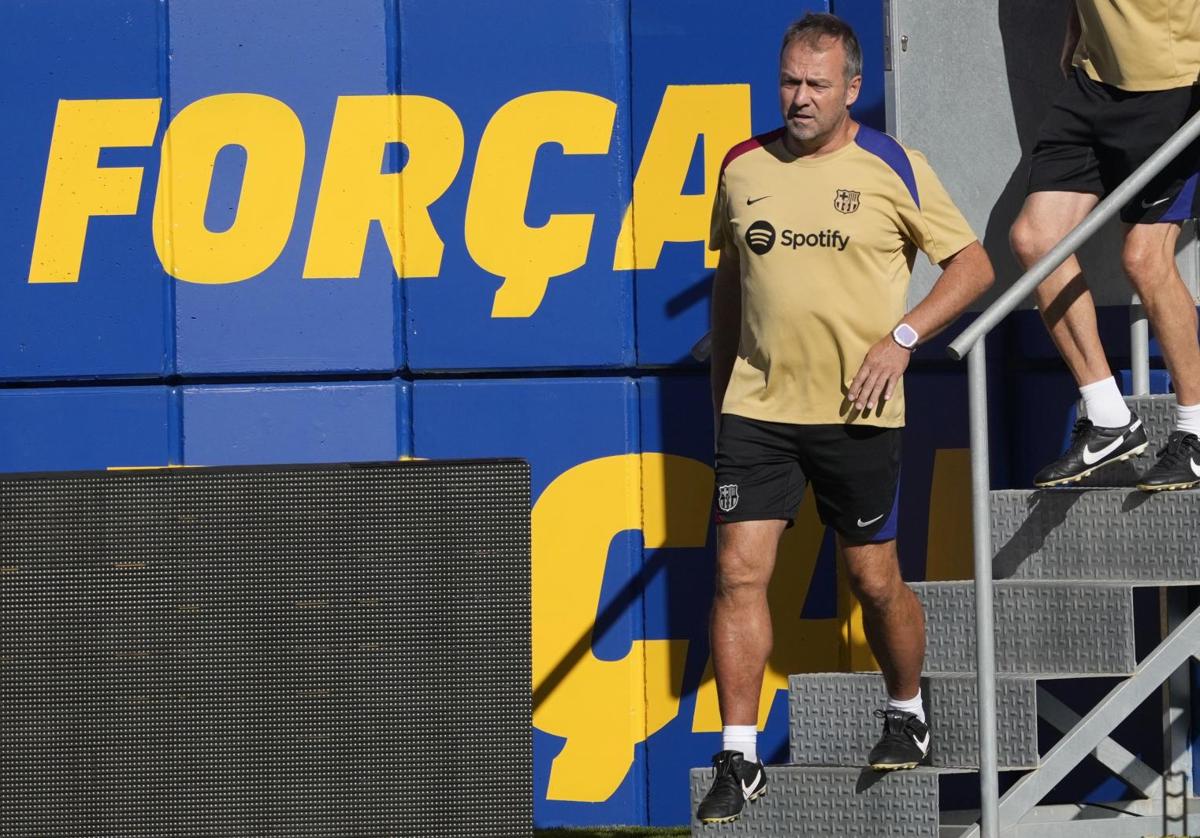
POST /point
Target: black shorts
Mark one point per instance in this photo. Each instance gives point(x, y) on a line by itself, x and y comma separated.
point(1096, 135)
point(762, 468)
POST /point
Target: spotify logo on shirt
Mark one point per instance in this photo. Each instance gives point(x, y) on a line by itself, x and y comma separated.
point(760, 238)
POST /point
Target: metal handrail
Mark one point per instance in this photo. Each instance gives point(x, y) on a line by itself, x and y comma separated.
point(970, 344)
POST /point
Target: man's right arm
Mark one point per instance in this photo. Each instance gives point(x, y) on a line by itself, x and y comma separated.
point(726, 327)
point(1071, 40)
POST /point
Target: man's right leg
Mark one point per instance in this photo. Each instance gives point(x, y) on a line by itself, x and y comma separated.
point(740, 624)
point(740, 632)
point(1111, 433)
point(1063, 297)
point(1150, 263)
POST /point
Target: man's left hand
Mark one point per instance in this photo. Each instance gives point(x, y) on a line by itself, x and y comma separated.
point(880, 372)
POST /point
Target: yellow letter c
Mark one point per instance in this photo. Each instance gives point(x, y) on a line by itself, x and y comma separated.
point(603, 708)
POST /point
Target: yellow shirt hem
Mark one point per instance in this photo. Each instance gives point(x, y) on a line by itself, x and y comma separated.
point(1141, 86)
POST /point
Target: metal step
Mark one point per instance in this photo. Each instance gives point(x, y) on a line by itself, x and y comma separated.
point(831, 723)
point(1158, 415)
point(806, 802)
point(1043, 629)
point(1097, 535)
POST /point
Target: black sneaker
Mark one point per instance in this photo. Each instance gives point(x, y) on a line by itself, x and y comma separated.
point(734, 782)
point(1091, 448)
point(904, 744)
point(1178, 465)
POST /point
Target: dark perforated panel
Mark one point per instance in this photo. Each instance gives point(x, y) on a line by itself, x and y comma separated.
point(335, 650)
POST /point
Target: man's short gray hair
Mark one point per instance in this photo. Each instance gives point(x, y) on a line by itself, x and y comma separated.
point(816, 25)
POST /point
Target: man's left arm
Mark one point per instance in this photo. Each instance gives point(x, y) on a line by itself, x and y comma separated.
point(965, 276)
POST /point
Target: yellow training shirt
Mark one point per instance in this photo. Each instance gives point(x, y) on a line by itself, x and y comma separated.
point(826, 248)
point(1140, 45)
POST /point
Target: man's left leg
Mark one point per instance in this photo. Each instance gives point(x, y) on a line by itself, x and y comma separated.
point(895, 626)
point(1149, 260)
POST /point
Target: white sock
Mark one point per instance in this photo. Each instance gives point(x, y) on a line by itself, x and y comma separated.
point(1102, 403)
point(1187, 418)
point(910, 705)
point(742, 738)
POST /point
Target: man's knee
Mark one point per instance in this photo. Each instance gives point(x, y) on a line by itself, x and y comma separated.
point(1031, 238)
point(875, 584)
point(1148, 261)
point(1024, 240)
point(877, 593)
point(740, 572)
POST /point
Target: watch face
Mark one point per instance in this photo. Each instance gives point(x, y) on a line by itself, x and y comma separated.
point(905, 335)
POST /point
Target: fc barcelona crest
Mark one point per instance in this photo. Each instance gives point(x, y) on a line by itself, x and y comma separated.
point(728, 497)
point(845, 201)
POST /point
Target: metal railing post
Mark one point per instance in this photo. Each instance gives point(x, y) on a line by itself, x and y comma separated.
point(1139, 349)
point(989, 783)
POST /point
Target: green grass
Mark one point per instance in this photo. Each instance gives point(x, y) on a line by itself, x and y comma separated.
point(611, 832)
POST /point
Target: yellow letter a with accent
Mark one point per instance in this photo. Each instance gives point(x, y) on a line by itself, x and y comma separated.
point(603, 708)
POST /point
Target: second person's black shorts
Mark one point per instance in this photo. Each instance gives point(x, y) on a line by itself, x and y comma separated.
point(1096, 135)
point(763, 467)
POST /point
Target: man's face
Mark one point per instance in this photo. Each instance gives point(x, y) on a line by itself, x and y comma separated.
point(813, 92)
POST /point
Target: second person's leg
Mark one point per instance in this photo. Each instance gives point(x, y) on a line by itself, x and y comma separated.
point(1063, 298)
point(1111, 432)
point(1149, 259)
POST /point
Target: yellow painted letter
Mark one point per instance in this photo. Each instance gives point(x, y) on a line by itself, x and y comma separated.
point(603, 708)
point(497, 237)
point(354, 192)
point(76, 188)
point(720, 113)
point(274, 142)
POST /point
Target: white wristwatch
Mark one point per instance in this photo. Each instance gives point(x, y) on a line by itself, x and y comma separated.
point(906, 336)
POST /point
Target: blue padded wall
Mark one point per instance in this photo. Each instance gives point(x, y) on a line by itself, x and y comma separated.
point(75, 428)
point(548, 84)
point(111, 320)
point(298, 423)
point(296, 64)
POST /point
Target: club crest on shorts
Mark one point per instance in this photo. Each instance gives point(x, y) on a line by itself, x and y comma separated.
point(727, 497)
point(846, 201)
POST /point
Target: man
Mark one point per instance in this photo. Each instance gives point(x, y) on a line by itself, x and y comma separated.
point(1131, 86)
point(818, 224)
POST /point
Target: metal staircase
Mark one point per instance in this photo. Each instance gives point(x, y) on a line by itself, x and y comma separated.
point(1065, 564)
point(1051, 599)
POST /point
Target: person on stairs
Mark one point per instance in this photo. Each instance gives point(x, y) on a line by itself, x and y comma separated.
point(1132, 68)
point(817, 224)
